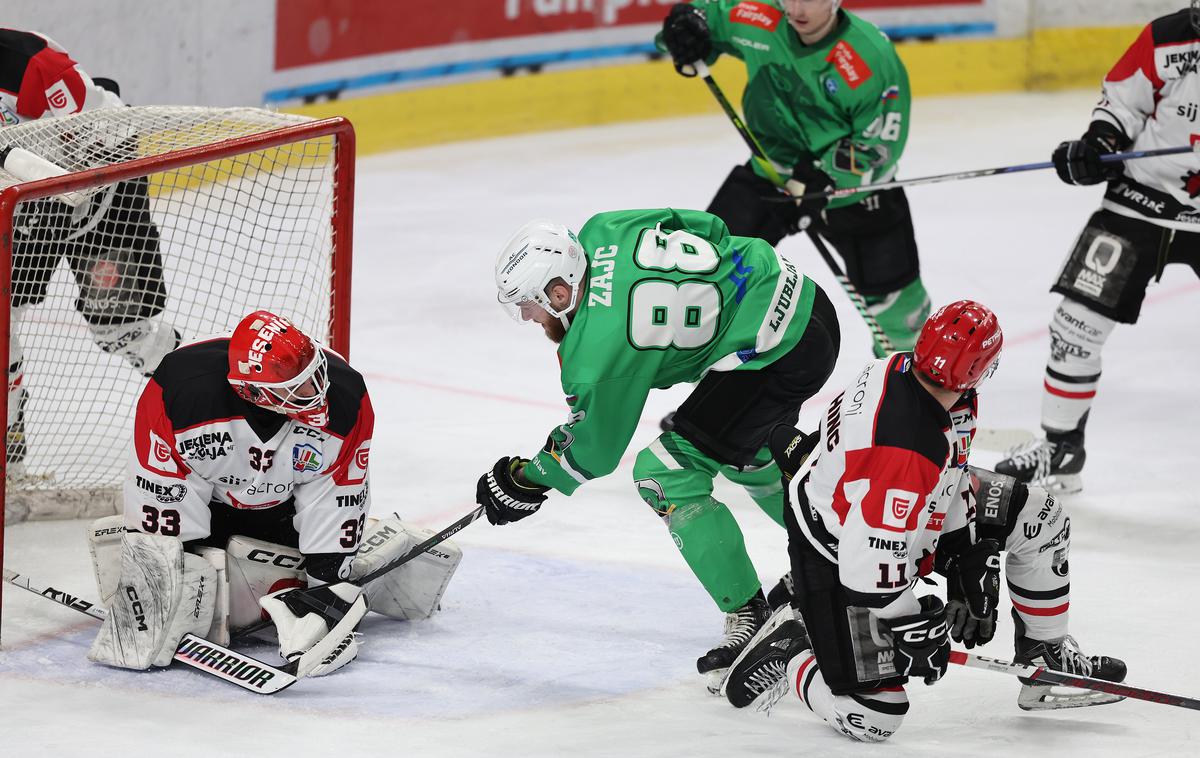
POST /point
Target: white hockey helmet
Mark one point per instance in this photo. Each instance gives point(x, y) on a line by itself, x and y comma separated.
point(540, 252)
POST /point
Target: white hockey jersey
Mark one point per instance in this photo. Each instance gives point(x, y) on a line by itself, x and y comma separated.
point(38, 78)
point(1153, 96)
point(196, 443)
point(890, 478)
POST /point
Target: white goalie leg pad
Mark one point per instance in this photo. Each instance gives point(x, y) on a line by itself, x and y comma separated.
point(218, 632)
point(163, 593)
point(321, 643)
point(257, 568)
point(104, 542)
point(412, 591)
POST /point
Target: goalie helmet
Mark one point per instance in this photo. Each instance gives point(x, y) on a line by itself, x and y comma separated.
point(959, 346)
point(540, 252)
point(274, 365)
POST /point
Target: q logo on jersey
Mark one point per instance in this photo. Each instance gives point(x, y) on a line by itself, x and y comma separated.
point(306, 458)
point(59, 98)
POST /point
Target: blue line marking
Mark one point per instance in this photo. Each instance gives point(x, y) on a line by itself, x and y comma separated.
point(335, 87)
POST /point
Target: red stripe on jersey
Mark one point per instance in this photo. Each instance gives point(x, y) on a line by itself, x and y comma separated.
point(1069, 395)
point(350, 468)
point(153, 437)
point(1139, 57)
point(899, 482)
point(45, 69)
point(1056, 610)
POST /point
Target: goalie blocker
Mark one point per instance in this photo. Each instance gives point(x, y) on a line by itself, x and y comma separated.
point(151, 581)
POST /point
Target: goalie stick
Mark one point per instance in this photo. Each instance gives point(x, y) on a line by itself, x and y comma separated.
point(1043, 675)
point(30, 167)
point(760, 157)
point(201, 654)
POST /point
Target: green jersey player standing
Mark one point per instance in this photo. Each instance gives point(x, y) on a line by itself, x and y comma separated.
point(646, 299)
point(828, 100)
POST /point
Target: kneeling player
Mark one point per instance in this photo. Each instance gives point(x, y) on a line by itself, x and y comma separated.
point(889, 498)
point(248, 478)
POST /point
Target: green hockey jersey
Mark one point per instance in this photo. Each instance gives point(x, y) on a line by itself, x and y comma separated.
point(670, 294)
point(844, 101)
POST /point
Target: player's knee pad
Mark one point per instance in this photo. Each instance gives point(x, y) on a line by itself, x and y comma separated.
point(870, 716)
point(256, 568)
point(162, 594)
point(666, 480)
point(414, 590)
point(1042, 533)
point(142, 344)
point(1077, 335)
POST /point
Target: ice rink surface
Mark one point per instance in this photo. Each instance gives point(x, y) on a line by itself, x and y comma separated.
point(575, 631)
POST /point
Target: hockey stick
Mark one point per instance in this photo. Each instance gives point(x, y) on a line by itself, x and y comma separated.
point(1108, 158)
point(1043, 675)
point(31, 167)
point(197, 652)
point(760, 157)
point(306, 596)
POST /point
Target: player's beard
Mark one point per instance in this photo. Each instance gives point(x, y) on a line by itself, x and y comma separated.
point(555, 331)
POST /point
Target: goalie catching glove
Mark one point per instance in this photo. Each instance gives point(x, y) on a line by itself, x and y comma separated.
point(505, 495)
point(316, 627)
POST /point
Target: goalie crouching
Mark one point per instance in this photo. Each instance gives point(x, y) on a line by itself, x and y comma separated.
point(248, 479)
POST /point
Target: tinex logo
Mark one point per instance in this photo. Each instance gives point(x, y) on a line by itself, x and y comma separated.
point(756, 14)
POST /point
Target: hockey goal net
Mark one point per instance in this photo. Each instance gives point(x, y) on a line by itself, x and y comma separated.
point(168, 223)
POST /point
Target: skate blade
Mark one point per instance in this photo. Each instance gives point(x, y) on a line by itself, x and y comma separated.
point(1041, 697)
point(714, 681)
point(1061, 484)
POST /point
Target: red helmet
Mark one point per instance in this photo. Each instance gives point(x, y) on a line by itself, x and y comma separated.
point(959, 345)
point(274, 365)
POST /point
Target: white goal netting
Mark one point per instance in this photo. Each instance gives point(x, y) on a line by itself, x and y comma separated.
point(101, 289)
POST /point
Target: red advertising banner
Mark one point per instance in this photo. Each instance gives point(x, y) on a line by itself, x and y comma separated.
point(320, 31)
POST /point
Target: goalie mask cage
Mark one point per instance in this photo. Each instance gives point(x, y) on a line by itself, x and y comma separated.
point(167, 218)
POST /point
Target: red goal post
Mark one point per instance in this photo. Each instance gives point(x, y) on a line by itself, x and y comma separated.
point(182, 219)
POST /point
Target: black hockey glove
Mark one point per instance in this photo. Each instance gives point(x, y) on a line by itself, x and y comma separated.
point(973, 588)
point(685, 33)
point(808, 177)
point(505, 495)
point(790, 448)
point(922, 647)
point(1078, 161)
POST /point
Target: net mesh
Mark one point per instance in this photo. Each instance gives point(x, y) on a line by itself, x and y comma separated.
point(105, 285)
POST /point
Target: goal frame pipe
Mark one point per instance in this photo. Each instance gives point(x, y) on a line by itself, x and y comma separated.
point(338, 127)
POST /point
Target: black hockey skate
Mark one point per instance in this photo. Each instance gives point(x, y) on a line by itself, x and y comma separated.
point(782, 593)
point(1063, 655)
point(1054, 462)
point(762, 666)
point(740, 627)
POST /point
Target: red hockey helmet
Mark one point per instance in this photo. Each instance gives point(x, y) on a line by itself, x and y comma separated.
point(959, 345)
point(274, 365)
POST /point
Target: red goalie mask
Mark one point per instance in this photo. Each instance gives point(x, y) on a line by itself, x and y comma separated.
point(274, 365)
point(959, 345)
